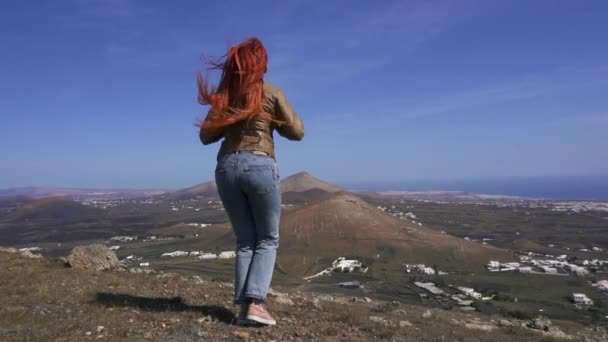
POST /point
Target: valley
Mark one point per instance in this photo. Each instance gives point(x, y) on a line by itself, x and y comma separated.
point(457, 236)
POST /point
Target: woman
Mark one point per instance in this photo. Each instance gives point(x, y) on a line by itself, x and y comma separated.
point(244, 111)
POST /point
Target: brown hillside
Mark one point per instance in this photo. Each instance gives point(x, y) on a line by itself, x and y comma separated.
point(303, 197)
point(342, 224)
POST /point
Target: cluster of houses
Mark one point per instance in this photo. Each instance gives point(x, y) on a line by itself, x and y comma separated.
point(341, 265)
point(462, 296)
point(122, 238)
point(399, 214)
point(200, 225)
point(419, 268)
point(557, 265)
point(201, 255)
point(131, 259)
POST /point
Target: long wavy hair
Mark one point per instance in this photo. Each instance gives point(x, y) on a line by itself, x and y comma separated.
point(240, 92)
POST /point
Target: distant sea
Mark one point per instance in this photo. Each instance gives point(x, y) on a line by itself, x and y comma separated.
point(580, 188)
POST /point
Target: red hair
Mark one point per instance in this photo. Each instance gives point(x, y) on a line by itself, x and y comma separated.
point(241, 90)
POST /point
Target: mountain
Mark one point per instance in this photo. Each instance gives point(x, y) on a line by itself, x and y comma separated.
point(301, 187)
point(207, 189)
point(10, 202)
point(55, 209)
point(80, 193)
point(304, 181)
point(342, 224)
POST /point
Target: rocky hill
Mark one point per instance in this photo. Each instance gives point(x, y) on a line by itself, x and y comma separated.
point(342, 224)
point(42, 300)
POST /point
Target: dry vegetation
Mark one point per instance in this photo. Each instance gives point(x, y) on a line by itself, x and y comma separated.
point(42, 300)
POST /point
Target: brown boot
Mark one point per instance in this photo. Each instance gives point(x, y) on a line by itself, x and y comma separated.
point(257, 313)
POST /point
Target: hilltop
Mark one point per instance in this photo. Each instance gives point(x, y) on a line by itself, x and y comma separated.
point(41, 300)
point(304, 181)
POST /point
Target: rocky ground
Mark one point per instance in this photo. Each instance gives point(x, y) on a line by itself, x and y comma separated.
point(42, 300)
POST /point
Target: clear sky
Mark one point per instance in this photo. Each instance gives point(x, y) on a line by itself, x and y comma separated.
point(101, 93)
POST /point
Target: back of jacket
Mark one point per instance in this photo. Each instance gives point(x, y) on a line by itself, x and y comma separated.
point(256, 134)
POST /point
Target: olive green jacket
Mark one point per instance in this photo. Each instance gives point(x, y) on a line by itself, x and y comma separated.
point(256, 134)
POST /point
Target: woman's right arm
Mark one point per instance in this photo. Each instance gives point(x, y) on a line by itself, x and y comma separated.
point(292, 127)
point(206, 136)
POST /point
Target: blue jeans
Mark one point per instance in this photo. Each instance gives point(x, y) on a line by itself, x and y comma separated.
point(249, 187)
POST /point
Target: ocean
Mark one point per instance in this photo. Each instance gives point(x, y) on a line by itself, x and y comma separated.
point(573, 188)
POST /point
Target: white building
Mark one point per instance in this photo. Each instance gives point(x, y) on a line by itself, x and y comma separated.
point(550, 270)
point(344, 265)
point(470, 292)
point(31, 249)
point(206, 256)
point(174, 254)
point(581, 298)
point(144, 264)
point(114, 248)
point(601, 285)
point(227, 255)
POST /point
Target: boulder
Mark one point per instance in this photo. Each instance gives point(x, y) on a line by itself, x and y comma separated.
point(93, 257)
point(539, 323)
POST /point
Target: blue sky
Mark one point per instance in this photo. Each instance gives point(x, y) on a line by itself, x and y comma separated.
point(101, 93)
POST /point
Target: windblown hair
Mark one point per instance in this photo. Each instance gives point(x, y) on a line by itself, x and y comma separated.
point(240, 93)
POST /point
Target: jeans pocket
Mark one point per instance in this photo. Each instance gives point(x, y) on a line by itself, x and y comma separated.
point(261, 179)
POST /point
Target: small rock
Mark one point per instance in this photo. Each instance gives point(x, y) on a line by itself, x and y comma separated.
point(241, 334)
point(505, 323)
point(376, 319)
point(367, 299)
point(284, 300)
point(30, 255)
point(88, 333)
point(201, 333)
point(100, 329)
point(403, 324)
point(326, 298)
point(427, 314)
point(483, 327)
